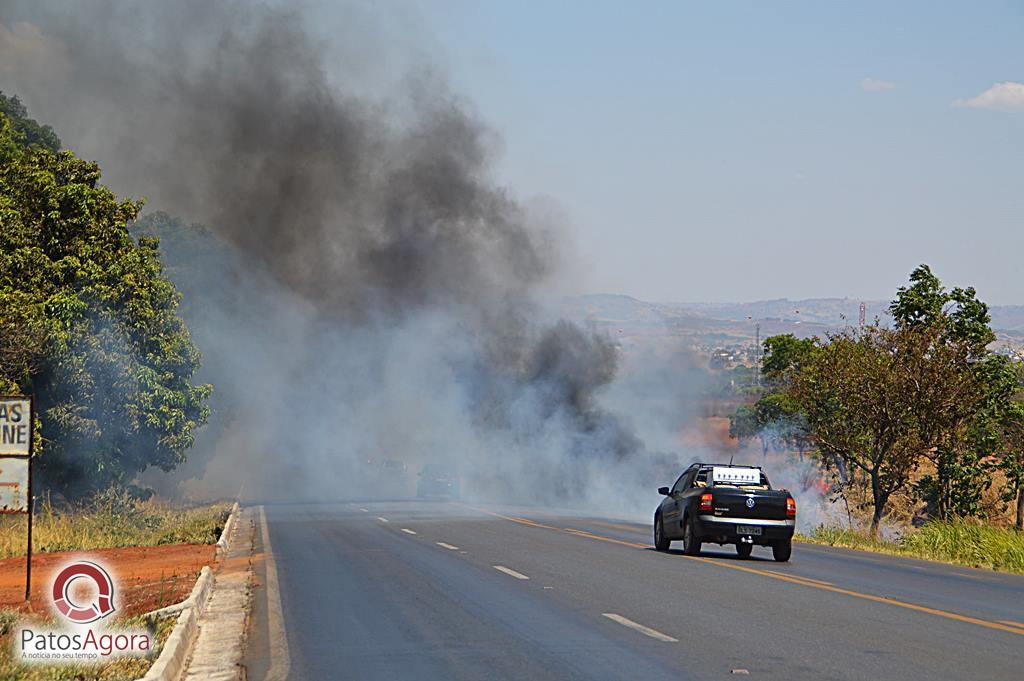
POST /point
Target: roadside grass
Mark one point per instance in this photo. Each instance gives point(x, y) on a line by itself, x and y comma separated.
point(112, 522)
point(120, 669)
point(960, 543)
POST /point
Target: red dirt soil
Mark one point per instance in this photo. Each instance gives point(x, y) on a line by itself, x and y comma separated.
point(145, 577)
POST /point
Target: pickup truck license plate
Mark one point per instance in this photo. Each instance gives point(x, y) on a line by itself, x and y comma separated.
point(752, 530)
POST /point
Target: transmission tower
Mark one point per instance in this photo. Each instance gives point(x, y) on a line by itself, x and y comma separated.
point(863, 312)
point(757, 355)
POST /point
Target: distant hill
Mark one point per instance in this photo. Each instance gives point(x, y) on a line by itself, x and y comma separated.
point(1008, 318)
point(828, 311)
point(803, 317)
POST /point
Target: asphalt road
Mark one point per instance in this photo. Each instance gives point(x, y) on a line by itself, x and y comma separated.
point(438, 590)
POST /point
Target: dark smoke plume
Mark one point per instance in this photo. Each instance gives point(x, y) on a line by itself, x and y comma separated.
point(378, 302)
point(226, 114)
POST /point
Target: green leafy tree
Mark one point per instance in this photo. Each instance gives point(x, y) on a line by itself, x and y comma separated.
point(961, 316)
point(98, 339)
point(759, 421)
point(875, 399)
point(968, 454)
point(961, 453)
point(29, 132)
point(781, 422)
point(999, 431)
point(774, 418)
point(784, 353)
point(743, 424)
point(1011, 459)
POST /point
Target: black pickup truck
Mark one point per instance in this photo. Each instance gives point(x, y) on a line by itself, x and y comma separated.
point(725, 504)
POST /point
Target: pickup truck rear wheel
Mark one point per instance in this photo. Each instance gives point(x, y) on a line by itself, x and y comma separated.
point(782, 550)
point(691, 544)
point(743, 549)
point(661, 542)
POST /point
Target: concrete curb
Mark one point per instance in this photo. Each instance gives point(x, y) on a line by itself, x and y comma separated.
point(229, 524)
point(218, 651)
point(170, 664)
point(200, 592)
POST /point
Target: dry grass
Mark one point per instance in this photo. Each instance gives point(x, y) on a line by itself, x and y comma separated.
point(960, 543)
point(112, 522)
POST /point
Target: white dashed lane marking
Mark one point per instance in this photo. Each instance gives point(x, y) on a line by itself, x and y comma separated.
point(383, 520)
point(646, 631)
point(447, 546)
point(408, 531)
point(510, 572)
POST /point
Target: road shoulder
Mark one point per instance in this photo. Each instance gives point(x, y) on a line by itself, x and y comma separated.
point(219, 647)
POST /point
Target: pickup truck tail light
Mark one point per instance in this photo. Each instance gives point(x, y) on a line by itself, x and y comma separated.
point(705, 501)
point(790, 508)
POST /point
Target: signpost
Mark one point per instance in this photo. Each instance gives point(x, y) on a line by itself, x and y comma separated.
point(15, 426)
point(16, 466)
point(13, 485)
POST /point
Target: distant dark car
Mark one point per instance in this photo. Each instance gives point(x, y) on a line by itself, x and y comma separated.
point(394, 479)
point(438, 480)
point(394, 466)
point(725, 505)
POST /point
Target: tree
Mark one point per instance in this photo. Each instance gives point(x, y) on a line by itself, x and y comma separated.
point(1011, 460)
point(98, 339)
point(743, 424)
point(781, 422)
point(775, 419)
point(875, 398)
point(960, 454)
point(31, 133)
point(966, 456)
point(783, 353)
point(958, 313)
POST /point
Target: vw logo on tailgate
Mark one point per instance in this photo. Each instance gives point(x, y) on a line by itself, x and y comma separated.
point(750, 502)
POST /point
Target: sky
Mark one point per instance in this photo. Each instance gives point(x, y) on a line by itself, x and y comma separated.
point(728, 151)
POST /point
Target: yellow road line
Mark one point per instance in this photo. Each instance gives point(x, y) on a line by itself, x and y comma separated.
point(806, 579)
point(620, 526)
point(816, 584)
point(635, 545)
point(610, 540)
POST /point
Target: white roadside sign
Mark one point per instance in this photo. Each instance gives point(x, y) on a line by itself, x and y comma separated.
point(736, 475)
point(13, 485)
point(15, 426)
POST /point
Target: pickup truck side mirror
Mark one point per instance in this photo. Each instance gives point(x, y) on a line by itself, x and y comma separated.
point(663, 491)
